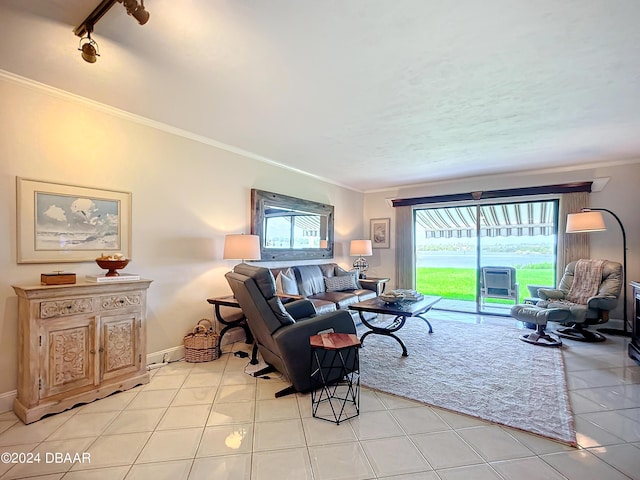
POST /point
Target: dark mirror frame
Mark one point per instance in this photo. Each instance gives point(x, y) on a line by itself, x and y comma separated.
point(260, 198)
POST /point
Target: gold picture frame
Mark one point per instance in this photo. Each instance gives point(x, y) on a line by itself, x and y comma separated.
point(70, 223)
point(380, 232)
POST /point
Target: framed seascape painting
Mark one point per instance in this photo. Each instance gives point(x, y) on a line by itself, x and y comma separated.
point(380, 232)
point(68, 223)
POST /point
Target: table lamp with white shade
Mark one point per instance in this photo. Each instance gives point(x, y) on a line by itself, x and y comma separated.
point(241, 247)
point(361, 249)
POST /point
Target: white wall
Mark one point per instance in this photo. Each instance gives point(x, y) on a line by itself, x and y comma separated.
point(186, 195)
point(621, 195)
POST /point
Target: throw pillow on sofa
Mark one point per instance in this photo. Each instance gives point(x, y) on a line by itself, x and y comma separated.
point(340, 283)
point(355, 273)
point(286, 282)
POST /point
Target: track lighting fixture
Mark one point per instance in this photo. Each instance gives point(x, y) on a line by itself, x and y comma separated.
point(88, 46)
point(136, 10)
point(89, 49)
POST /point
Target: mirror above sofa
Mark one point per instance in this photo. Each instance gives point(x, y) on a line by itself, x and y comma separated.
point(291, 228)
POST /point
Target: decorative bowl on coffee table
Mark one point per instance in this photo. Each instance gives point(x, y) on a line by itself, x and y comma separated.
point(112, 266)
point(391, 298)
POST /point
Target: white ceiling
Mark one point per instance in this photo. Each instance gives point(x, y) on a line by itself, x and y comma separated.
point(369, 94)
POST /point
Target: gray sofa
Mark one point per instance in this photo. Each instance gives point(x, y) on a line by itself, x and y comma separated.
point(328, 286)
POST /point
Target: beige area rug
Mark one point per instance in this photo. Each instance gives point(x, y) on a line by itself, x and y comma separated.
point(477, 369)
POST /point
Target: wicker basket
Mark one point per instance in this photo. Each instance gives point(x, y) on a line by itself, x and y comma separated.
point(201, 345)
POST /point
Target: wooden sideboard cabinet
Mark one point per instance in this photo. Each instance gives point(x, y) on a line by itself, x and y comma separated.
point(634, 345)
point(78, 343)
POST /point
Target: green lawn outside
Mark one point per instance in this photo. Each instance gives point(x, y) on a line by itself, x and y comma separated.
point(460, 283)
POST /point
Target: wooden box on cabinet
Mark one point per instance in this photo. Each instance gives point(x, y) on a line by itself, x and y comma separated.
point(78, 343)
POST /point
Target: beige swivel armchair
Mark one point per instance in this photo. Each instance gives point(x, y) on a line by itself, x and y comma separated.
point(588, 291)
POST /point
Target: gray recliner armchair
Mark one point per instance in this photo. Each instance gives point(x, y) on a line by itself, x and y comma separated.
point(282, 331)
point(575, 305)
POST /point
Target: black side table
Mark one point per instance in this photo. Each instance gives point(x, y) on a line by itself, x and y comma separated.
point(233, 320)
point(335, 376)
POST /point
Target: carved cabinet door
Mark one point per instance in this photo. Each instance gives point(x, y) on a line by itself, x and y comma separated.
point(120, 344)
point(67, 354)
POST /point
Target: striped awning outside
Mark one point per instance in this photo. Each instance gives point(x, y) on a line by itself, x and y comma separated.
point(309, 223)
point(514, 219)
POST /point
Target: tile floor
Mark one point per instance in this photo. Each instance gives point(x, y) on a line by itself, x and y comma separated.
point(212, 421)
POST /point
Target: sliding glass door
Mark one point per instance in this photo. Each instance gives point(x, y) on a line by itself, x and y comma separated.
point(447, 255)
point(454, 245)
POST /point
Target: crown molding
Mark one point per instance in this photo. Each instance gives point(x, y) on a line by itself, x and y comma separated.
point(147, 122)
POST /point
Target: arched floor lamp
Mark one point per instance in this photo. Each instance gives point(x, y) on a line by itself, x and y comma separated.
point(590, 220)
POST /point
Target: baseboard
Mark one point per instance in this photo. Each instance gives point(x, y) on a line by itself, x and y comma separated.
point(6, 401)
point(176, 353)
point(168, 355)
point(235, 335)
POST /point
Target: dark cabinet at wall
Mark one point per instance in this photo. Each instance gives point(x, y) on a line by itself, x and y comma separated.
point(634, 346)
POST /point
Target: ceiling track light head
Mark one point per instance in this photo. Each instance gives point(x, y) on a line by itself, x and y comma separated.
point(89, 48)
point(136, 10)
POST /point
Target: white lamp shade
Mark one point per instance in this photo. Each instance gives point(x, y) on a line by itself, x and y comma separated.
point(360, 248)
point(585, 222)
point(241, 247)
